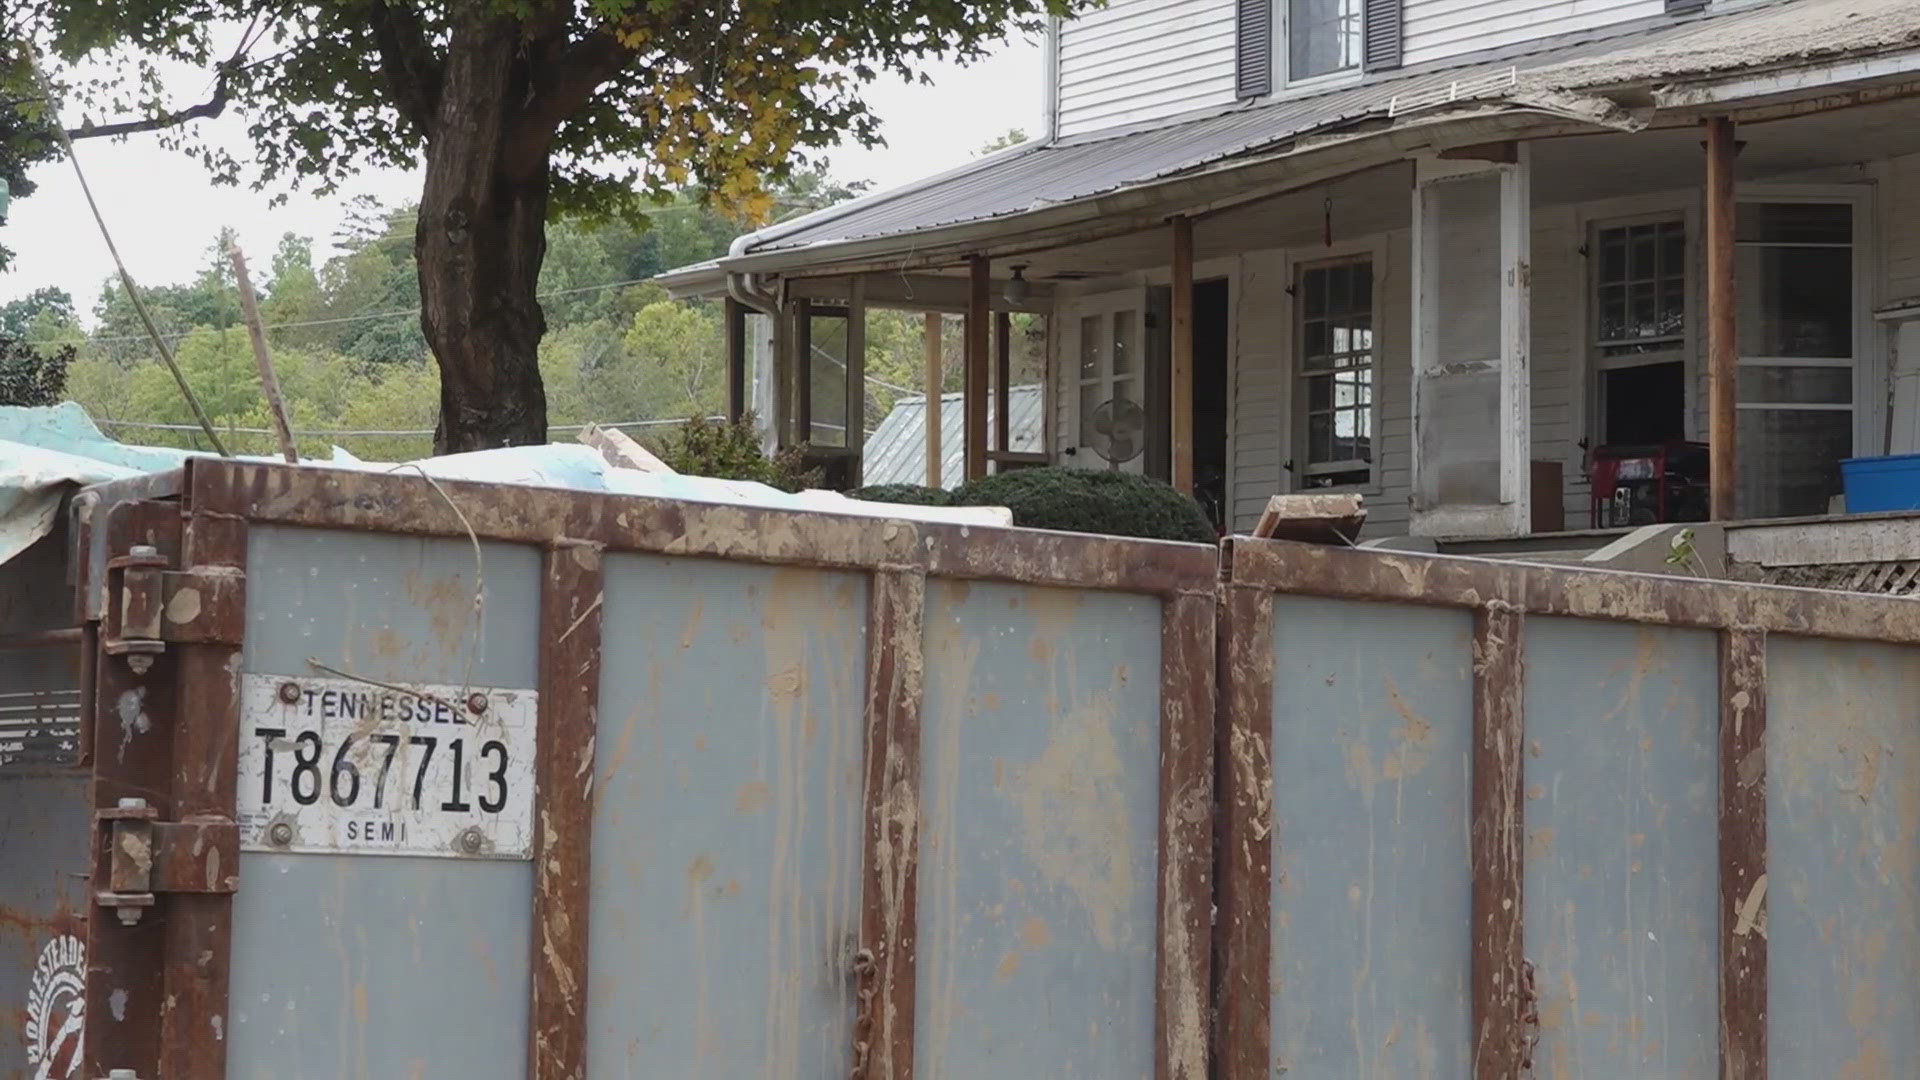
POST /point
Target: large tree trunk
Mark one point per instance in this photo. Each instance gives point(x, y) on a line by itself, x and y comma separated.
point(480, 240)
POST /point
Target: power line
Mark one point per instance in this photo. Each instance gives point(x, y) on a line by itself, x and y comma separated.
point(366, 317)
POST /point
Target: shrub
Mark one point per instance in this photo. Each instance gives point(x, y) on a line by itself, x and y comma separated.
point(911, 494)
point(1082, 500)
point(731, 451)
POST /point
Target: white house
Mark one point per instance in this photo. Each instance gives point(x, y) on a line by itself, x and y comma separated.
point(1436, 251)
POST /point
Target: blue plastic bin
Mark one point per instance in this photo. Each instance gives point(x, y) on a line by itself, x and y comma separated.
point(1875, 484)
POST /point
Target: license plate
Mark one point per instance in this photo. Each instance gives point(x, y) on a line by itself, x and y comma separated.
point(338, 765)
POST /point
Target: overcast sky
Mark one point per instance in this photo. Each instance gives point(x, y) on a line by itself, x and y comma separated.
point(164, 213)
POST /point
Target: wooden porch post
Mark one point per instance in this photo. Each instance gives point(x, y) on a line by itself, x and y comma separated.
point(1722, 344)
point(974, 402)
point(736, 314)
point(1180, 401)
point(935, 472)
point(802, 372)
point(857, 376)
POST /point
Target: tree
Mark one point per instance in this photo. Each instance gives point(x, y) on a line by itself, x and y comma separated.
point(29, 376)
point(44, 308)
point(520, 109)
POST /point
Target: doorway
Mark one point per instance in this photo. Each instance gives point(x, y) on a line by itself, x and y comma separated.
point(1211, 313)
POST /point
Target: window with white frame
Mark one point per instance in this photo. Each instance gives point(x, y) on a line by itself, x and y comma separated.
point(1323, 37)
point(1334, 302)
point(1640, 331)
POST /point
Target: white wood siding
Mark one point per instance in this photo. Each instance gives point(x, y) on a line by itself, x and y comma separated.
point(1139, 60)
point(1437, 29)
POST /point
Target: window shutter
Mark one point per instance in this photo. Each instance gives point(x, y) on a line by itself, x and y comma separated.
point(1685, 7)
point(1385, 42)
point(1253, 48)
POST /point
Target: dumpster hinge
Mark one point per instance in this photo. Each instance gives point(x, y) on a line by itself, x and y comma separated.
point(149, 856)
point(149, 605)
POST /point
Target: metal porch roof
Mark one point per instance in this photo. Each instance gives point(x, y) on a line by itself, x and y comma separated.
point(896, 452)
point(1644, 53)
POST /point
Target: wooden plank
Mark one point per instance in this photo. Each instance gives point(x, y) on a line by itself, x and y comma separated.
point(974, 401)
point(1243, 930)
point(857, 375)
point(935, 394)
point(1180, 401)
point(1312, 519)
point(889, 898)
point(1723, 350)
point(1743, 854)
point(1002, 374)
point(1185, 903)
point(570, 610)
point(620, 450)
point(736, 318)
point(1498, 980)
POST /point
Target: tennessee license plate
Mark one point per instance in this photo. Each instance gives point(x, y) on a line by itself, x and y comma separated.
point(343, 766)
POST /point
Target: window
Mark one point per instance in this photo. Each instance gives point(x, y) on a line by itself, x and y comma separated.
point(1112, 416)
point(1640, 332)
point(1323, 37)
point(1335, 305)
point(1797, 318)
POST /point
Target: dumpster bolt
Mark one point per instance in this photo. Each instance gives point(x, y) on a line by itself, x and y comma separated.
point(477, 702)
point(290, 693)
point(281, 834)
point(471, 840)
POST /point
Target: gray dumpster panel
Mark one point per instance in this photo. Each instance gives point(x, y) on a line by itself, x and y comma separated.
point(384, 966)
point(1372, 730)
point(1622, 847)
point(1040, 754)
point(1842, 907)
point(725, 905)
point(45, 839)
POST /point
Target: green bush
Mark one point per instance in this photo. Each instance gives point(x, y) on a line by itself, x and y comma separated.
point(1082, 500)
point(731, 451)
point(911, 494)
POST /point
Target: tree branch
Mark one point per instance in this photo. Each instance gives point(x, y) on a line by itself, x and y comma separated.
point(581, 69)
point(407, 61)
point(206, 110)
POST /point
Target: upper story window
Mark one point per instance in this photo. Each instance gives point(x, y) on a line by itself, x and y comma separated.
point(1323, 37)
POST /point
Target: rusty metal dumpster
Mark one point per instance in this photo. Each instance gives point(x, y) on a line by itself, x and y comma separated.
point(397, 778)
point(1493, 820)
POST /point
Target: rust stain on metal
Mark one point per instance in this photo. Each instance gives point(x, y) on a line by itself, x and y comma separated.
point(1243, 853)
point(1185, 897)
point(886, 983)
point(1743, 853)
point(570, 615)
point(1498, 978)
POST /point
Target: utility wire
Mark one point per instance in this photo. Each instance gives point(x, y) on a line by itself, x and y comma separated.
point(126, 279)
point(336, 321)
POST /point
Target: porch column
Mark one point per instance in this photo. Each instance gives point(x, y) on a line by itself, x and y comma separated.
point(1723, 350)
point(935, 473)
point(1002, 375)
point(1180, 401)
point(974, 402)
point(736, 315)
point(857, 376)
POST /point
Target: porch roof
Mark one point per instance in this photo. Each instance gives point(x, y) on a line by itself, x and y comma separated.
point(1610, 78)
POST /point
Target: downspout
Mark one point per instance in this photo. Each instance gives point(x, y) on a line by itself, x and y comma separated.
point(747, 289)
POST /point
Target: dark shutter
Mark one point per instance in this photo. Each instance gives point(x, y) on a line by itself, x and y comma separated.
point(1386, 43)
point(1253, 48)
point(1685, 7)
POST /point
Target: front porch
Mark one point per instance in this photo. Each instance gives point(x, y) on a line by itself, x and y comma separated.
point(1457, 314)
